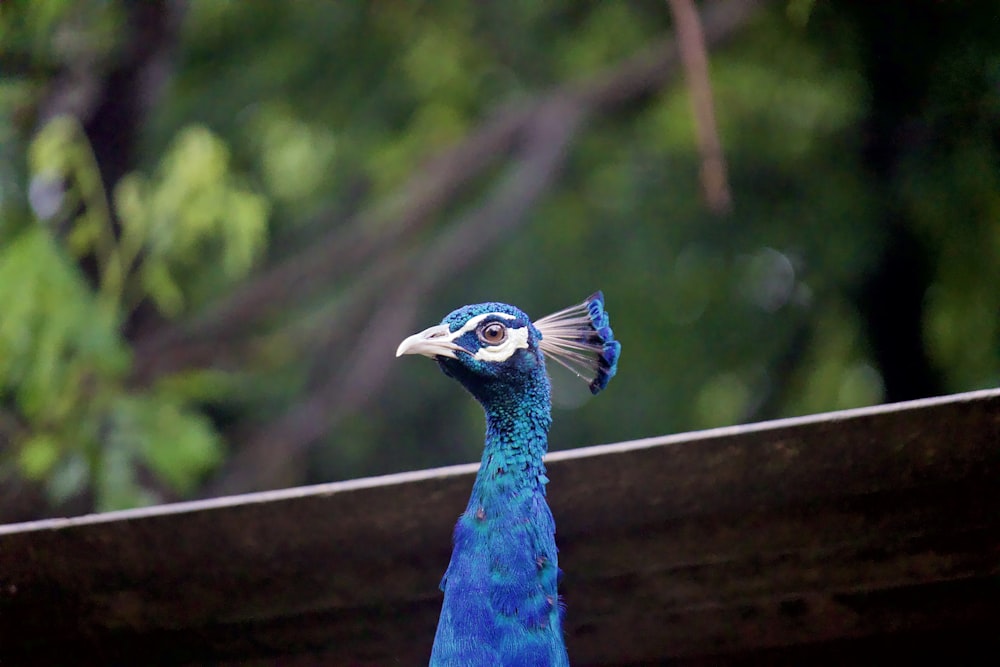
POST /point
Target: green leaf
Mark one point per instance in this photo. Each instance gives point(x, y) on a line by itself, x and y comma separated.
point(115, 484)
point(162, 287)
point(199, 384)
point(68, 478)
point(178, 444)
point(38, 455)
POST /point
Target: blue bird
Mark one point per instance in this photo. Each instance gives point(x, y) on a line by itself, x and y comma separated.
point(501, 605)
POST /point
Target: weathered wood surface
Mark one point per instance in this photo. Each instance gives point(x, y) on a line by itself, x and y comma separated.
point(845, 538)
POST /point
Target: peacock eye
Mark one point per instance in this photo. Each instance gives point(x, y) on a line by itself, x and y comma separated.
point(493, 333)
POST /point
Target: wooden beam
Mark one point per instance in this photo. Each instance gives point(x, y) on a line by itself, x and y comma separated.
point(794, 541)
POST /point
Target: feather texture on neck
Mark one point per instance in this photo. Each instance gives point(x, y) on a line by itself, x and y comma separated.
point(501, 605)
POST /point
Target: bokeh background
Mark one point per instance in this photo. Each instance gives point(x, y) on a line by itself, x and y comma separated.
point(219, 218)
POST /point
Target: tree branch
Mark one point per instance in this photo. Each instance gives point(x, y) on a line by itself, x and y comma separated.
point(694, 55)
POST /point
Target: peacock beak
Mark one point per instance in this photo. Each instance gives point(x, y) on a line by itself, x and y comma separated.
point(432, 342)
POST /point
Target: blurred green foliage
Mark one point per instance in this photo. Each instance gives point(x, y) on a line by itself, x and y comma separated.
point(277, 121)
point(64, 362)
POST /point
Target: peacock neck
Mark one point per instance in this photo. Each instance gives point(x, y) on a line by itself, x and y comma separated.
point(517, 426)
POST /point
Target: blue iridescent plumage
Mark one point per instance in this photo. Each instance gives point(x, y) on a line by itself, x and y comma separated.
point(501, 605)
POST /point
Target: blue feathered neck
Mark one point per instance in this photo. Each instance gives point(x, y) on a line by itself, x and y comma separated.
point(501, 604)
point(517, 426)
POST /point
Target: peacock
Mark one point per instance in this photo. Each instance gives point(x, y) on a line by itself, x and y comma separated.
point(501, 605)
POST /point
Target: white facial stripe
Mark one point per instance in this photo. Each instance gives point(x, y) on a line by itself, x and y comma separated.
point(516, 339)
point(473, 322)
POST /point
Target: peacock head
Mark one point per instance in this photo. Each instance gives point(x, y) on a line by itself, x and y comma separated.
point(490, 347)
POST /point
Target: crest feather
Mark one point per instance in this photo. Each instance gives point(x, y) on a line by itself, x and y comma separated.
point(580, 338)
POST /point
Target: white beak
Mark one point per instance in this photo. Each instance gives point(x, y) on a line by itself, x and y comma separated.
point(432, 342)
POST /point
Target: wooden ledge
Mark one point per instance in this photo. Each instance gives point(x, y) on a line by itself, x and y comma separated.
point(813, 540)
